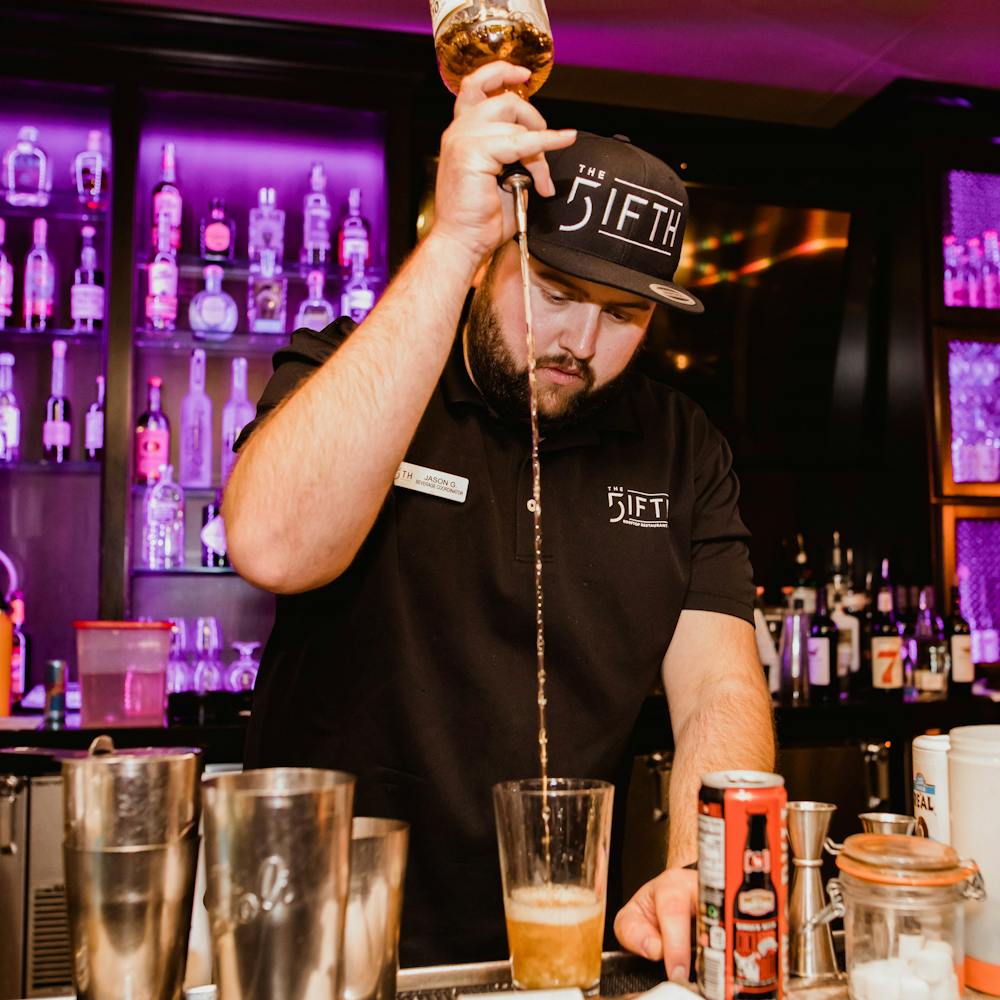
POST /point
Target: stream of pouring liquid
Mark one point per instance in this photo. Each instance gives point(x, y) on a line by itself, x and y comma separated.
point(520, 191)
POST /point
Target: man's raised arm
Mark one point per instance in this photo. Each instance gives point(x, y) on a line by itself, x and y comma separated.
point(310, 481)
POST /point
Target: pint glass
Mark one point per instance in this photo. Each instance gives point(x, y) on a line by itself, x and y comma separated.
point(554, 864)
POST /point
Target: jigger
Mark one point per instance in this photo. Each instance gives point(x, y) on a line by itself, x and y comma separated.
point(811, 948)
point(888, 823)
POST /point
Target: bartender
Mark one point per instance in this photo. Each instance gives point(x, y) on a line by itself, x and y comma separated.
point(383, 492)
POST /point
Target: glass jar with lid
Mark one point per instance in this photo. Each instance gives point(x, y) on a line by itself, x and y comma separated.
point(470, 33)
point(902, 903)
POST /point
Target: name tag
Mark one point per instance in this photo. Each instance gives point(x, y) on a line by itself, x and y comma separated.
point(438, 484)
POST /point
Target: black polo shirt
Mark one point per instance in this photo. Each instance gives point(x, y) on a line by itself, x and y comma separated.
point(415, 669)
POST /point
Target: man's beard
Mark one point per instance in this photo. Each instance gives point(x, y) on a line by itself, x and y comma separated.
point(505, 386)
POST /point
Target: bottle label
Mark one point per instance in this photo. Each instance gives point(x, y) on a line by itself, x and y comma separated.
point(440, 9)
point(317, 227)
point(163, 279)
point(6, 288)
point(213, 311)
point(217, 237)
point(755, 956)
point(56, 434)
point(887, 662)
point(819, 661)
point(353, 246)
point(86, 302)
point(10, 429)
point(169, 202)
point(93, 430)
point(152, 448)
point(213, 536)
point(963, 670)
point(928, 680)
point(357, 303)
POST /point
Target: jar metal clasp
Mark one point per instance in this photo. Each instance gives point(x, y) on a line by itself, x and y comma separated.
point(835, 908)
point(974, 886)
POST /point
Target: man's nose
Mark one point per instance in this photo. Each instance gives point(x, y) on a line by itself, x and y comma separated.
point(579, 336)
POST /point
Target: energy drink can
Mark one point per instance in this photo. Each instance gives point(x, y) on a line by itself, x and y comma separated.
point(742, 886)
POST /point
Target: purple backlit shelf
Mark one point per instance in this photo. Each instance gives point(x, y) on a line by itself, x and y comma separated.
point(257, 345)
point(186, 571)
point(971, 255)
point(19, 336)
point(977, 561)
point(974, 402)
point(52, 468)
point(63, 206)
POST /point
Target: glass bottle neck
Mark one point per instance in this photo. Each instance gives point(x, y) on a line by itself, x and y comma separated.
point(153, 402)
point(6, 378)
point(58, 376)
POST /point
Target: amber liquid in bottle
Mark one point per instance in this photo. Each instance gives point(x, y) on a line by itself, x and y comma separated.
point(464, 46)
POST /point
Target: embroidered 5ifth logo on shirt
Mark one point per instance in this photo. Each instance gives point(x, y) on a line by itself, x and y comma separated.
point(641, 510)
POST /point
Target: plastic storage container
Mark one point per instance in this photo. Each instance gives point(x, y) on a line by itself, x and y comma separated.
point(974, 786)
point(902, 900)
point(123, 672)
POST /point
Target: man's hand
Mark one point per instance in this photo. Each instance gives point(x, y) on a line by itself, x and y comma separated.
point(656, 921)
point(493, 127)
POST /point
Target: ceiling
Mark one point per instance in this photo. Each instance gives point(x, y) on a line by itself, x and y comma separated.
point(796, 61)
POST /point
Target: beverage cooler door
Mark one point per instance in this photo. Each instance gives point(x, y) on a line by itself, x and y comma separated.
point(970, 538)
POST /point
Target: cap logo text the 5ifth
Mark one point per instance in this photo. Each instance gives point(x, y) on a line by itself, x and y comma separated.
point(656, 215)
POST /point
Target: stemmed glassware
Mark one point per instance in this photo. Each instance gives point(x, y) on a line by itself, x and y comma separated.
point(208, 646)
point(243, 673)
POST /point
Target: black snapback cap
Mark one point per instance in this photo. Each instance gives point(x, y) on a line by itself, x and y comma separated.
point(617, 217)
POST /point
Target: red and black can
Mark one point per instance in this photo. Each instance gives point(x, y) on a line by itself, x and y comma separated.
point(742, 886)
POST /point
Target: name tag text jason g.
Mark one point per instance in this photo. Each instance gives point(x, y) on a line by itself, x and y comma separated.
point(423, 480)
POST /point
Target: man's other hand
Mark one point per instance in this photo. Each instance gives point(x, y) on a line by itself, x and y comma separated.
point(656, 921)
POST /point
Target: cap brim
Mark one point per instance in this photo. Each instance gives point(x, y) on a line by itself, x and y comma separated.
point(591, 268)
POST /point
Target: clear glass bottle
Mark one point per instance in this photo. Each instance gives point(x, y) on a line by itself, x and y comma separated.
point(91, 174)
point(236, 414)
point(316, 220)
point(470, 33)
point(152, 435)
point(357, 299)
point(213, 314)
point(10, 413)
point(161, 300)
point(93, 425)
point(267, 297)
point(27, 171)
point(354, 237)
point(196, 428)
point(928, 651)
point(86, 297)
point(57, 431)
point(39, 281)
point(213, 534)
point(163, 523)
point(217, 232)
point(167, 199)
point(6, 280)
point(243, 673)
point(266, 229)
point(315, 313)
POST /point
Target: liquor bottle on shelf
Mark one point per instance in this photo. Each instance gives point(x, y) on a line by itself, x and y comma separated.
point(357, 299)
point(213, 534)
point(161, 300)
point(845, 616)
point(315, 313)
point(236, 414)
point(27, 171)
point(196, 428)
point(39, 281)
point(804, 590)
point(217, 232)
point(267, 297)
point(6, 280)
point(86, 297)
point(885, 642)
point(836, 583)
point(974, 272)
point(316, 220)
point(991, 270)
point(93, 425)
point(213, 314)
point(91, 175)
point(354, 237)
point(167, 199)
point(163, 523)
point(266, 230)
point(57, 431)
point(152, 436)
point(824, 686)
point(19, 662)
point(955, 290)
point(959, 636)
point(928, 651)
point(10, 413)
